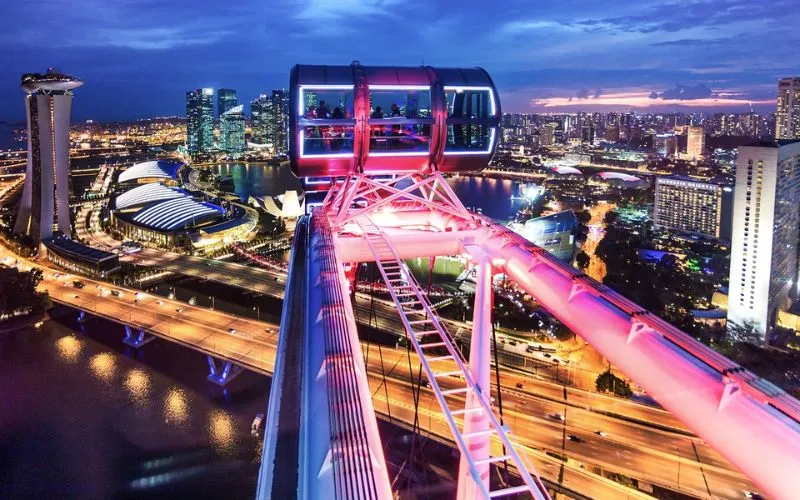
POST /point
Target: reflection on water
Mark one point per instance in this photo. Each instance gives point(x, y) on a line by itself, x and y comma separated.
point(497, 198)
point(138, 385)
point(69, 348)
point(222, 432)
point(103, 366)
point(176, 406)
point(258, 179)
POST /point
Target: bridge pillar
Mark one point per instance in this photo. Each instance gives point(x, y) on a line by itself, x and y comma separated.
point(221, 372)
point(479, 367)
point(82, 317)
point(137, 339)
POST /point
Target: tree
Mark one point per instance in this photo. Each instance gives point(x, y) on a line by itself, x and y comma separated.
point(582, 259)
point(608, 382)
point(744, 332)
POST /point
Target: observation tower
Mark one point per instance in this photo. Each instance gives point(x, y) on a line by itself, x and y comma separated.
point(45, 196)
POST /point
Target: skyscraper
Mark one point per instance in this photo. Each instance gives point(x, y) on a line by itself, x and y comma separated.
point(199, 121)
point(45, 195)
point(226, 99)
point(787, 117)
point(695, 142)
point(231, 135)
point(766, 223)
point(280, 121)
point(687, 205)
point(260, 116)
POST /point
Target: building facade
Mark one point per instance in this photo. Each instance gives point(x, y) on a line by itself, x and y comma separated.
point(44, 208)
point(766, 223)
point(226, 100)
point(695, 142)
point(199, 121)
point(693, 207)
point(787, 117)
point(260, 119)
point(280, 121)
point(231, 131)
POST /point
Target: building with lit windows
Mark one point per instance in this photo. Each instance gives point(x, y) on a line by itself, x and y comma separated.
point(695, 142)
point(279, 119)
point(787, 116)
point(231, 131)
point(260, 119)
point(766, 223)
point(44, 208)
point(694, 207)
point(666, 145)
point(226, 100)
point(554, 233)
point(199, 121)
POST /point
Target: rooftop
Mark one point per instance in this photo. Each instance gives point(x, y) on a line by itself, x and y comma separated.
point(65, 245)
point(147, 193)
point(164, 169)
point(174, 214)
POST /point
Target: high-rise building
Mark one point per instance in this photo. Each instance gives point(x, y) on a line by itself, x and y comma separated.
point(260, 119)
point(280, 121)
point(766, 223)
point(199, 121)
point(695, 142)
point(787, 117)
point(694, 207)
point(226, 99)
point(546, 134)
point(231, 126)
point(45, 196)
point(666, 145)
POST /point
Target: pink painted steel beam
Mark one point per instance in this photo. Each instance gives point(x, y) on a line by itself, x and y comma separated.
point(479, 366)
point(713, 396)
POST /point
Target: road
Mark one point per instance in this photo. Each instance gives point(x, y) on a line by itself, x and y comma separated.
point(630, 447)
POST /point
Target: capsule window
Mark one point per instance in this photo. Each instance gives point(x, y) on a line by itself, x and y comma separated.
point(400, 120)
point(322, 103)
point(327, 139)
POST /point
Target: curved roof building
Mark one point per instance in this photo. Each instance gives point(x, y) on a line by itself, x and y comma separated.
point(176, 214)
point(618, 176)
point(150, 170)
point(563, 170)
point(146, 193)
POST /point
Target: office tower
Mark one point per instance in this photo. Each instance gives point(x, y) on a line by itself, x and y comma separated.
point(199, 121)
point(260, 119)
point(765, 228)
point(232, 131)
point(694, 207)
point(45, 196)
point(226, 99)
point(280, 121)
point(546, 134)
point(587, 133)
point(787, 118)
point(666, 145)
point(695, 142)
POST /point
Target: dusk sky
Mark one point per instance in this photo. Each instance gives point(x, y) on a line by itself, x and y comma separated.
point(139, 57)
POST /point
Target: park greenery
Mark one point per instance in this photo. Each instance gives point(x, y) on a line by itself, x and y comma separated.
point(18, 294)
point(608, 382)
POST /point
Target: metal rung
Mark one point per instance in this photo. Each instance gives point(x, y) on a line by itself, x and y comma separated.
point(492, 460)
point(424, 333)
point(509, 491)
point(440, 358)
point(459, 390)
point(485, 432)
point(420, 321)
point(435, 344)
point(405, 294)
point(447, 374)
point(464, 411)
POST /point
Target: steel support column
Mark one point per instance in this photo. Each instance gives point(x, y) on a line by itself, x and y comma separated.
point(224, 373)
point(476, 422)
point(137, 339)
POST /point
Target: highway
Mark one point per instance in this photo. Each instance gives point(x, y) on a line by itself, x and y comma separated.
point(630, 448)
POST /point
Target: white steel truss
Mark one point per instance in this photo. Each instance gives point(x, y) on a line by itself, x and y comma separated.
point(428, 336)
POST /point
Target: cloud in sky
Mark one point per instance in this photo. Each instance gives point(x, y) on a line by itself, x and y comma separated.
point(576, 48)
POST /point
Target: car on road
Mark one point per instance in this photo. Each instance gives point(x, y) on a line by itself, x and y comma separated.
point(137, 301)
point(159, 302)
point(547, 355)
point(231, 330)
point(77, 296)
point(558, 416)
point(573, 437)
point(752, 494)
point(180, 310)
point(601, 433)
point(116, 293)
point(520, 386)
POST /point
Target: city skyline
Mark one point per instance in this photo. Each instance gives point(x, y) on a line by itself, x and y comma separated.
point(566, 57)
